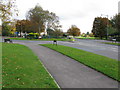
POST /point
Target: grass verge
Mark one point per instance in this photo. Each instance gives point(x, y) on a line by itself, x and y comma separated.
point(21, 68)
point(90, 38)
point(46, 39)
point(100, 63)
point(118, 44)
point(85, 38)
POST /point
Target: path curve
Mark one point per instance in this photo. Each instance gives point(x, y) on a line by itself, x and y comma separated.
point(69, 73)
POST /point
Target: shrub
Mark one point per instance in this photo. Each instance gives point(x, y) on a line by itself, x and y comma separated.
point(32, 36)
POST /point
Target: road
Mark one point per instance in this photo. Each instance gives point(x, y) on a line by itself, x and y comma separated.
point(94, 46)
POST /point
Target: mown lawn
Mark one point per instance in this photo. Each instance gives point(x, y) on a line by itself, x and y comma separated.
point(111, 43)
point(21, 68)
point(44, 39)
point(15, 38)
point(100, 63)
point(85, 37)
point(92, 38)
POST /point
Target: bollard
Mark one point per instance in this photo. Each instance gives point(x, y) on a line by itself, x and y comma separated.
point(54, 42)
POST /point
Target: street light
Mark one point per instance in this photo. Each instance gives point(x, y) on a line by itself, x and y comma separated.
point(107, 23)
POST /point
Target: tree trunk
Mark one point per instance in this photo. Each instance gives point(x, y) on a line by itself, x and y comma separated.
point(106, 37)
point(39, 31)
point(20, 30)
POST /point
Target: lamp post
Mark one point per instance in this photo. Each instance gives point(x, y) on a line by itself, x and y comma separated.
point(107, 24)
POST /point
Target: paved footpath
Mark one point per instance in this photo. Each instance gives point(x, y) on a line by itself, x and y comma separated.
point(69, 73)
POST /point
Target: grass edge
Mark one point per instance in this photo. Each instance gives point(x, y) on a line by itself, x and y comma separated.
point(83, 63)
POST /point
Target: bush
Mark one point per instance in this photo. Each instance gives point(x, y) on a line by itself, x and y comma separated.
point(32, 36)
point(36, 35)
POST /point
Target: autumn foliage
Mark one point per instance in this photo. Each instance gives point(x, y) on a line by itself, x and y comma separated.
point(74, 31)
point(100, 26)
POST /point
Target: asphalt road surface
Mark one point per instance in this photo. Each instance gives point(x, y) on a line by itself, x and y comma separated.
point(94, 46)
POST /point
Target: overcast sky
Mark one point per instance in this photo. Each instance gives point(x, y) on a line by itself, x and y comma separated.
point(72, 12)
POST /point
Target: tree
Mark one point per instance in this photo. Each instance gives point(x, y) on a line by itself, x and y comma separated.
point(83, 35)
point(6, 11)
point(5, 29)
point(87, 33)
point(53, 21)
point(74, 31)
point(58, 32)
point(37, 16)
point(50, 32)
point(91, 35)
point(115, 25)
point(20, 26)
point(65, 34)
point(100, 26)
point(43, 19)
point(25, 26)
point(54, 33)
